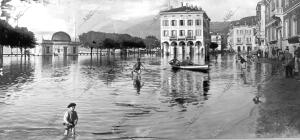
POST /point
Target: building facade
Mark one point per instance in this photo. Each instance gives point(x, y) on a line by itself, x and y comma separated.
point(242, 39)
point(274, 18)
point(291, 24)
point(184, 31)
point(261, 26)
point(60, 44)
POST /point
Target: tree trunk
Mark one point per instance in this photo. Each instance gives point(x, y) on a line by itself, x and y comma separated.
point(1, 50)
point(91, 51)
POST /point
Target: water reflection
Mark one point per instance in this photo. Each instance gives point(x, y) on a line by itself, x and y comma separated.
point(206, 84)
point(194, 101)
point(186, 87)
point(1, 65)
point(137, 82)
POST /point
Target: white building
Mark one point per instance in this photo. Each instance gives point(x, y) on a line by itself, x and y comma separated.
point(261, 25)
point(184, 31)
point(60, 44)
point(242, 39)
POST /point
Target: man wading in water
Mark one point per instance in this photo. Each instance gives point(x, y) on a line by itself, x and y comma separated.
point(70, 119)
point(137, 68)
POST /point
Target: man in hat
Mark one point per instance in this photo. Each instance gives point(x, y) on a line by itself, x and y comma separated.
point(70, 119)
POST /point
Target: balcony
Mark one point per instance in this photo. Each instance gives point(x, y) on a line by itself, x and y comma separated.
point(239, 43)
point(181, 38)
point(191, 38)
point(173, 38)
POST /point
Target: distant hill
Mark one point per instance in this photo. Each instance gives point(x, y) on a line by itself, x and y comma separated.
point(145, 28)
point(223, 27)
point(250, 21)
point(151, 26)
point(220, 27)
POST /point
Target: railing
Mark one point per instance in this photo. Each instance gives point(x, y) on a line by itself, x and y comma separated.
point(172, 38)
point(190, 37)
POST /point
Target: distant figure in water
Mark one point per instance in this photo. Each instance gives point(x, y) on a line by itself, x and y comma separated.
point(137, 68)
point(70, 119)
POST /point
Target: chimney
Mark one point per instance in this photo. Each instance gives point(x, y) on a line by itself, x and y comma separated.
point(186, 4)
point(181, 4)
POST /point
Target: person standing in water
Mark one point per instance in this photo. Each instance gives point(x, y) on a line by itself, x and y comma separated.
point(70, 119)
point(137, 68)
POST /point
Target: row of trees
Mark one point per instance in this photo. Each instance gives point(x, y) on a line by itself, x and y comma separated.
point(18, 37)
point(100, 40)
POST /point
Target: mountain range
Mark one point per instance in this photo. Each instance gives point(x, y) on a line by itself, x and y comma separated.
point(151, 26)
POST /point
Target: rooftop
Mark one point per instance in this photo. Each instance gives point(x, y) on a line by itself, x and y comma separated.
point(185, 9)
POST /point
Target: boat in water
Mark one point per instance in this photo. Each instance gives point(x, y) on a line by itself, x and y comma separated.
point(176, 65)
point(191, 67)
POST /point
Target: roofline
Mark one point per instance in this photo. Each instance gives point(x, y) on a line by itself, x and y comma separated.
point(182, 12)
point(186, 12)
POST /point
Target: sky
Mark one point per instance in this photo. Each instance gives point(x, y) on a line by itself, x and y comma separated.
point(77, 16)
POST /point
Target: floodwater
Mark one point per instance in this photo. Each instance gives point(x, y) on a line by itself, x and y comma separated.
point(113, 104)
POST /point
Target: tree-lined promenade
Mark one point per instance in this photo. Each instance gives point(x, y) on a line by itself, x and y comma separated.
point(112, 41)
point(18, 37)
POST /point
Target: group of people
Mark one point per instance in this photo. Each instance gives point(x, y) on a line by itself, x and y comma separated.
point(291, 63)
point(185, 62)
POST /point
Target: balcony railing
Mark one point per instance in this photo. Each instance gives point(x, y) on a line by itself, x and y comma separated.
point(191, 38)
point(173, 38)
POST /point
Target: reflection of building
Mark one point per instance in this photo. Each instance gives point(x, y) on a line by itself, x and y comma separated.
point(291, 25)
point(60, 44)
point(261, 25)
point(184, 30)
point(242, 39)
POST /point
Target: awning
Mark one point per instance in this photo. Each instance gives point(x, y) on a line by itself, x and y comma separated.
point(294, 39)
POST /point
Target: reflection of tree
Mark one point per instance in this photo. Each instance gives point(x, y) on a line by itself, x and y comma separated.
point(19, 73)
point(108, 68)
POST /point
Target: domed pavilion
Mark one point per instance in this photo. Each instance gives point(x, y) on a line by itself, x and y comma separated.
point(60, 44)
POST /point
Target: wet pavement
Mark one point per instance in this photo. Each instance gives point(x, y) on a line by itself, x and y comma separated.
point(231, 101)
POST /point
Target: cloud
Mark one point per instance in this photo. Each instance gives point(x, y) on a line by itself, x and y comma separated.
point(62, 15)
point(217, 9)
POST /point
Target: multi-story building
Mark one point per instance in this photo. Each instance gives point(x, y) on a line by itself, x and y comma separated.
point(261, 25)
point(184, 30)
point(274, 18)
point(291, 24)
point(242, 39)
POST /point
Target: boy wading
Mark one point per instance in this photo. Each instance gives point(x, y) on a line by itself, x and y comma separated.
point(70, 119)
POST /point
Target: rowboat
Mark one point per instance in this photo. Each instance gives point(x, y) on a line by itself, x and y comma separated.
point(192, 67)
